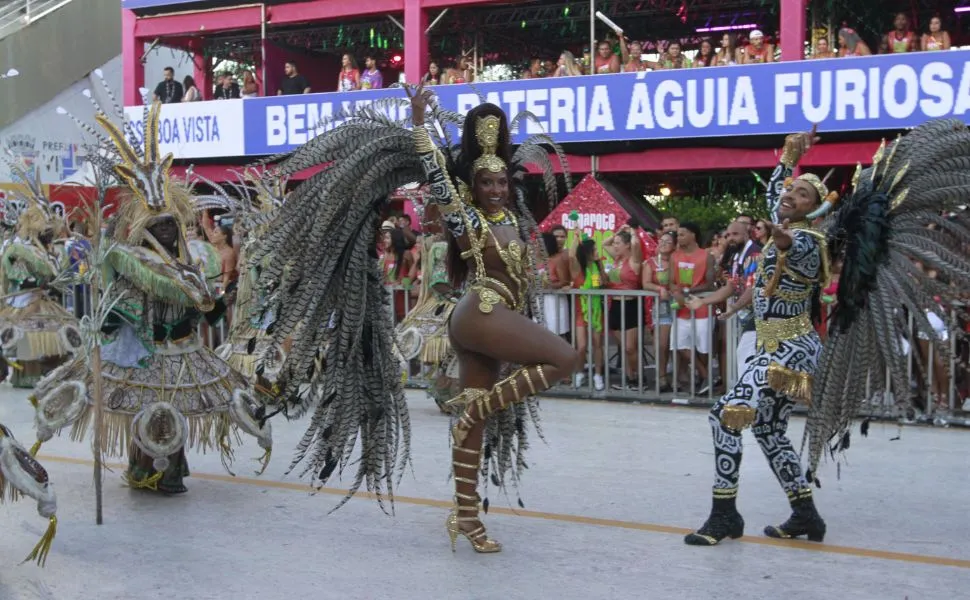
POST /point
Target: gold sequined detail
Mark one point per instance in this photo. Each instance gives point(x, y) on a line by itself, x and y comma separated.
point(794, 384)
point(738, 417)
point(771, 333)
point(488, 298)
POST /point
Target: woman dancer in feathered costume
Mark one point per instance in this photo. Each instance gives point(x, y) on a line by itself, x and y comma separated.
point(36, 332)
point(163, 390)
point(423, 333)
point(326, 276)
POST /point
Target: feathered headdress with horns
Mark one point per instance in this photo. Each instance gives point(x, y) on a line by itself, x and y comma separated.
point(889, 233)
point(152, 193)
point(324, 285)
point(35, 215)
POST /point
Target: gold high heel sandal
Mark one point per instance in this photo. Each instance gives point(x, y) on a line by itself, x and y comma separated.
point(479, 540)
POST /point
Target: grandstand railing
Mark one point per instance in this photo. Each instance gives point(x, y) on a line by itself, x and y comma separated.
point(17, 14)
point(696, 392)
point(704, 392)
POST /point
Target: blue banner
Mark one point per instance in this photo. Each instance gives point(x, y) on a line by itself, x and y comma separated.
point(843, 94)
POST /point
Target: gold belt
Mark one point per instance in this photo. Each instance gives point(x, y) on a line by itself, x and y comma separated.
point(489, 297)
point(771, 333)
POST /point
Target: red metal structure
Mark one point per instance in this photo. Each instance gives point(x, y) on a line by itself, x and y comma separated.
point(202, 19)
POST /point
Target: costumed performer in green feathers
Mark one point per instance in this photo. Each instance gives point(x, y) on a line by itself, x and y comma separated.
point(163, 389)
point(36, 332)
point(423, 334)
point(326, 275)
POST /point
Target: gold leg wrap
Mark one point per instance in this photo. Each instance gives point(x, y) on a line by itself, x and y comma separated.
point(479, 404)
point(467, 506)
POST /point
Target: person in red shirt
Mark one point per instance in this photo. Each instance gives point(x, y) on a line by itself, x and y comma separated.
point(692, 273)
point(624, 318)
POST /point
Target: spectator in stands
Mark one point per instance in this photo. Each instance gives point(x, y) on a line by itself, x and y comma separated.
point(822, 49)
point(673, 58)
point(762, 232)
point(624, 314)
point(705, 56)
point(757, 51)
point(901, 38)
point(936, 39)
point(693, 273)
point(293, 83)
point(433, 76)
point(586, 271)
point(191, 92)
point(606, 61)
point(656, 278)
point(850, 44)
point(227, 88)
point(168, 91)
point(557, 277)
point(535, 70)
point(669, 223)
point(349, 78)
point(463, 72)
point(568, 67)
point(727, 54)
point(632, 56)
point(250, 89)
point(371, 78)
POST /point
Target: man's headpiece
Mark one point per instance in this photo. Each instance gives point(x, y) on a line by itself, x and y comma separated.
point(487, 134)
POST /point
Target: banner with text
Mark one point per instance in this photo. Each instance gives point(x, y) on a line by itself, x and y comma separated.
point(196, 129)
point(847, 94)
point(872, 93)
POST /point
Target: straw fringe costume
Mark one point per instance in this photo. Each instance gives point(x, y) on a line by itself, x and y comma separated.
point(36, 332)
point(22, 475)
point(326, 275)
point(423, 334)
point(163, 390)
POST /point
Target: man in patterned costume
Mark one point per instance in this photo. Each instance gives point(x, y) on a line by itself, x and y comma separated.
point(793, 269)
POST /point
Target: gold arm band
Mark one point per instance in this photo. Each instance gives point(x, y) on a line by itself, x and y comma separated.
point(542, 376)
point(422, 141)
point(528, 381)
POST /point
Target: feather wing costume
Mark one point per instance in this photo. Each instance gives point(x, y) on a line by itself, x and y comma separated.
point(906, 217)
point(325, 289)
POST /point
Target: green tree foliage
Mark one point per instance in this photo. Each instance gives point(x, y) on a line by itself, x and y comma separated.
point(711, 213)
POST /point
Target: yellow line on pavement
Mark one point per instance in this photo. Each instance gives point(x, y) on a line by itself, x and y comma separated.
point(941, 561)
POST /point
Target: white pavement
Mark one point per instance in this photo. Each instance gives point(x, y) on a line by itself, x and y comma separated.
point(608, 500)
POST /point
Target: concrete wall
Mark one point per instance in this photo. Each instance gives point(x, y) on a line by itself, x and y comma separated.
point(51, 142)
point(56, 51)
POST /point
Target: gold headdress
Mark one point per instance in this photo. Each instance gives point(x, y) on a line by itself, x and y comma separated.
point(487, 133)
point(828, 199)
point(815, 182)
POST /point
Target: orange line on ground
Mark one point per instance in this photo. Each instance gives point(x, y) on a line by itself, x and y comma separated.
point(940, 561)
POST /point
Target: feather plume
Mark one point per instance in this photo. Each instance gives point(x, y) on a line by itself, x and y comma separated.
point(890, 234)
